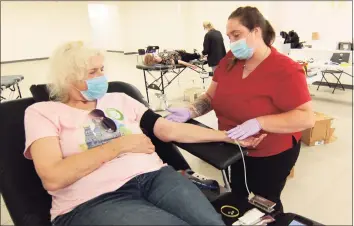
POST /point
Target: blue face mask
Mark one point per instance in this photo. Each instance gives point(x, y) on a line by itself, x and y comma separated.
point(96, 88)
point(241, 50)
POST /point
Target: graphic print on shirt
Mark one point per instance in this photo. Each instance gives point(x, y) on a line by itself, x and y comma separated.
point(96, 133)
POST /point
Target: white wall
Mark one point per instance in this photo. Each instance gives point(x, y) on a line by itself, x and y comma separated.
point(332, 19)
point(217, 13)
point(34, 29)
point(175, 24)
point(152, 23)
point(106, 24)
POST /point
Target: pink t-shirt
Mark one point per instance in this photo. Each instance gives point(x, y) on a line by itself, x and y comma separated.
point(78, 132)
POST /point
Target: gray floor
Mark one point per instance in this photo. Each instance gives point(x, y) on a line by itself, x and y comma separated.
point(322, 186)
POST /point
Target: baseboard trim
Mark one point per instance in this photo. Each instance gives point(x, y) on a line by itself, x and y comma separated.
point(130, 53)
point(24, 60)
point(46, 58)
point(115, 51)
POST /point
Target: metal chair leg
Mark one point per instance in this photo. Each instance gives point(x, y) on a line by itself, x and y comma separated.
point(19, 91)
point(146, 88)
point(338, 82)
point(320, 81)
point(226, 181)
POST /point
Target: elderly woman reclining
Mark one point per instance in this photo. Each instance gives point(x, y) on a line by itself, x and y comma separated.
point(92, 157)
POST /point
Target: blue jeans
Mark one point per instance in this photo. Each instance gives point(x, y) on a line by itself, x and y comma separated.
point(162, 197)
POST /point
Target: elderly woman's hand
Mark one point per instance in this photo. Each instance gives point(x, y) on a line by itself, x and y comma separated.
point(249, 142)
point(133, 143)
point(252, 142)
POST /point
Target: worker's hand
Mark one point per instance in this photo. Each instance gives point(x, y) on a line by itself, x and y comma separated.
point(133, 143)
point(246, 129)
point(179, 114)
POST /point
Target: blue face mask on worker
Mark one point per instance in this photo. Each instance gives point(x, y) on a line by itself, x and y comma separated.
point(241, 50)
point(96, 88)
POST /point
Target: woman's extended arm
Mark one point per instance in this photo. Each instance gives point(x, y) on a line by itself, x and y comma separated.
point(295, 120)
point(168, 131)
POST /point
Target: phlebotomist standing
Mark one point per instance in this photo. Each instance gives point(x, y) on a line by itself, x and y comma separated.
point(257, 90)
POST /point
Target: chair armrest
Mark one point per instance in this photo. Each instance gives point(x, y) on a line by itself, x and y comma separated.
point(218, 154)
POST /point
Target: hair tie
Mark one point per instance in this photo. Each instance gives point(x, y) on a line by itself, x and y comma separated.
point(234, 212)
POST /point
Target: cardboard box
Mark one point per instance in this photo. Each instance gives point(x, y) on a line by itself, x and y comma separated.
point(321, 133)
point(192, 94)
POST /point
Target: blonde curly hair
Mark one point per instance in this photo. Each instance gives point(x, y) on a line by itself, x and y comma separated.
point(149, 60)
point(208, 25)
point(69, 63)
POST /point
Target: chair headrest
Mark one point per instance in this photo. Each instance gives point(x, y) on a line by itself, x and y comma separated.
point(141, 52)
point(40, 92)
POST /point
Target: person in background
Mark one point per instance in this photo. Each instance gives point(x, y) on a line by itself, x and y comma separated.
point(97, 173)
point(213, 45)
point(257, 90)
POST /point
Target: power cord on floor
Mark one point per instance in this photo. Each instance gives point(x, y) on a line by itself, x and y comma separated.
point(256, 200)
